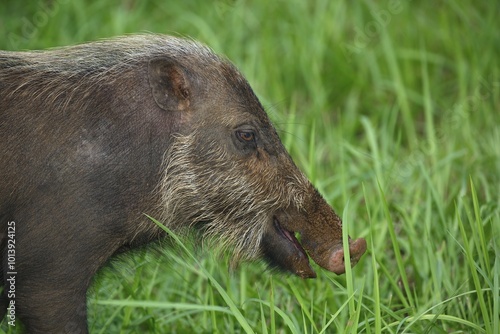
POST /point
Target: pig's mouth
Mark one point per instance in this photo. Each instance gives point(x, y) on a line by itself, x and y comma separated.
point(283, 251)
point(290, 236)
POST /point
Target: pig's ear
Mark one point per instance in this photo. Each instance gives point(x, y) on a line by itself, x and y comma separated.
point(169, 84)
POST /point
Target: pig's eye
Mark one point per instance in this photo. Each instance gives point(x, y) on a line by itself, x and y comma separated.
point(246, 136)
point(245, 140)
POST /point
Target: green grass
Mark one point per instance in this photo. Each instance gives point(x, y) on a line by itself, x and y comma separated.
point(398, 127)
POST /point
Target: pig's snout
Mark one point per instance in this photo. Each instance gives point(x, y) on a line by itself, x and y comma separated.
point(336, 263)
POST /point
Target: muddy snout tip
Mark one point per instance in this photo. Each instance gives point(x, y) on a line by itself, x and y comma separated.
point(356, 249)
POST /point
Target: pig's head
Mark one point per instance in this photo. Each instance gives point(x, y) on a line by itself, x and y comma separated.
point(227, 172)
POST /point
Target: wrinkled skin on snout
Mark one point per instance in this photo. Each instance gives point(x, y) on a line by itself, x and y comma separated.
point(95, 136)
point(235, 180)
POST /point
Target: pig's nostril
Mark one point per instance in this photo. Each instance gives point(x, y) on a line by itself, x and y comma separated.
point(337, 262)
point(357, 248)
point(337, 259)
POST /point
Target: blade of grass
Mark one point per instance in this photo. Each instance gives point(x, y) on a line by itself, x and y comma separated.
point(271, 306)
point(354, 312)
point(376, 289)
point(496, 290)
point(347, 257)
point(163, 305)
point(374, 147)
point(479, 229)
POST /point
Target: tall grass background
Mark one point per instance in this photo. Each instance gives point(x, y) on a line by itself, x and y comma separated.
point(392, 109)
